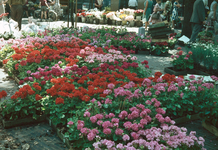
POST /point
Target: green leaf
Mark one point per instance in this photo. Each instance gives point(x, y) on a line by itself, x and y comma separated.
point(17, 108)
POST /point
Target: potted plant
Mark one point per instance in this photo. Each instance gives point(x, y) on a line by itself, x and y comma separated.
point(138, 13)
point(172, 40)
point(130, 19)
point(159, 48)
point(83, 15)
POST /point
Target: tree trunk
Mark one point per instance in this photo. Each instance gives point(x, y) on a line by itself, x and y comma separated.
point(72, 11)
point(187, 30)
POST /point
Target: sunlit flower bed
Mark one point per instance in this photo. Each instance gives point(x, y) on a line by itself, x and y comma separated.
point(105, 99)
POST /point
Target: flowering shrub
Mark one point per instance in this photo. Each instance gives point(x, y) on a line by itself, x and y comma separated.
point(3, 94)
point(182, 62)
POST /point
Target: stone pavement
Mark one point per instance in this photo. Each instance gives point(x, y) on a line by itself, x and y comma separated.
point(41, 136)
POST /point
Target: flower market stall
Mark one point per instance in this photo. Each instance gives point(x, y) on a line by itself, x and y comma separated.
point(98, 93)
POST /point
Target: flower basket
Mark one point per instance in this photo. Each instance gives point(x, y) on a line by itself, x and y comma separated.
point(171, 71)
point(24, 121)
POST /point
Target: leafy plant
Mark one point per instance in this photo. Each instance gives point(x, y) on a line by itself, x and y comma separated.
point(182, 62)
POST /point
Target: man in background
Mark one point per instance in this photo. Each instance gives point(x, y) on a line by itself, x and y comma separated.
point(197, 19)
point(17, 10)
point(133, 4)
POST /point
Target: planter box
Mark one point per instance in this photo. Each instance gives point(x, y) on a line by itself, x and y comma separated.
point(24, 121)
point(211, 128)
point(13, 76)
point(185, 119)
point(60, 135)
point(176, 73)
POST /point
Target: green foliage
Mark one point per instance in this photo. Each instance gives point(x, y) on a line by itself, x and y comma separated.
point(182, 62)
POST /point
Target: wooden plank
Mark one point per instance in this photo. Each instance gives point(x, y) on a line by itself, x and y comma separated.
point(24, 121)
point(159, 40)
point(161, 33)
point(159, 30)
point(185, 119)
point(210, 128)
point(60, 134)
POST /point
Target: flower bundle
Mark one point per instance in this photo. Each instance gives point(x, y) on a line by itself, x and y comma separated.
point(110, 15)
point(83, 14)
point(123, 16)
point(138, 12)
point(129, 18)
point(182, 62)
point(78, 14)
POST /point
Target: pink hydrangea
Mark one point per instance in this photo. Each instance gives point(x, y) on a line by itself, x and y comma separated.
point(93, 119)
point(87, 114)
point(107, 131)
point(91, 136)
point(118, 131)
point(126, 137)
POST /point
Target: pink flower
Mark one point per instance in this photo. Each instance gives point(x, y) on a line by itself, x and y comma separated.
point(135, 127)
point(135, 135)
point(93, 119)
point(91, 136)
point(181, 94)
point(146, 66)
point(115, 120)
point(118, 131)
point(126, 137)
point(87, 114)
point(127, 124)
point(70, 123)
point(106, 124)
point(107, 131)
point(111, 115)
point(186, 58)
point(111, 86)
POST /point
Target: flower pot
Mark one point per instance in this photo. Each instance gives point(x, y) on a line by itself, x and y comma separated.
point(83, 19)
point(124, 23)
point(101, 21)
point(132, 23)
point(105, 21)
point(87, 20)
point(96, 21)
point(184, 72)
point(172, 46)
point(139, 23)
point(138, 18)
point(113, 22)
point(91, 20)
point(118, 23)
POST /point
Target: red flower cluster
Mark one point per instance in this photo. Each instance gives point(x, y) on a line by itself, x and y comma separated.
point(23, 92)
point(3, 94)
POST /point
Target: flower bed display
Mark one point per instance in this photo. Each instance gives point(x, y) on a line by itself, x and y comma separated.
point(100, 95)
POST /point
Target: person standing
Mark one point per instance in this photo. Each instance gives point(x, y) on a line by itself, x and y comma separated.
point(176, 6)
point(167, 10)
point(197, 19)
point(2, 8)
point(147, 11)
point(133, 4)
point(156, 13)
point(17, 10)
point(99, 4)
point(44, 6)
point(213, 15)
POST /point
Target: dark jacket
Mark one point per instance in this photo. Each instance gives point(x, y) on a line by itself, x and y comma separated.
point(198, 14)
